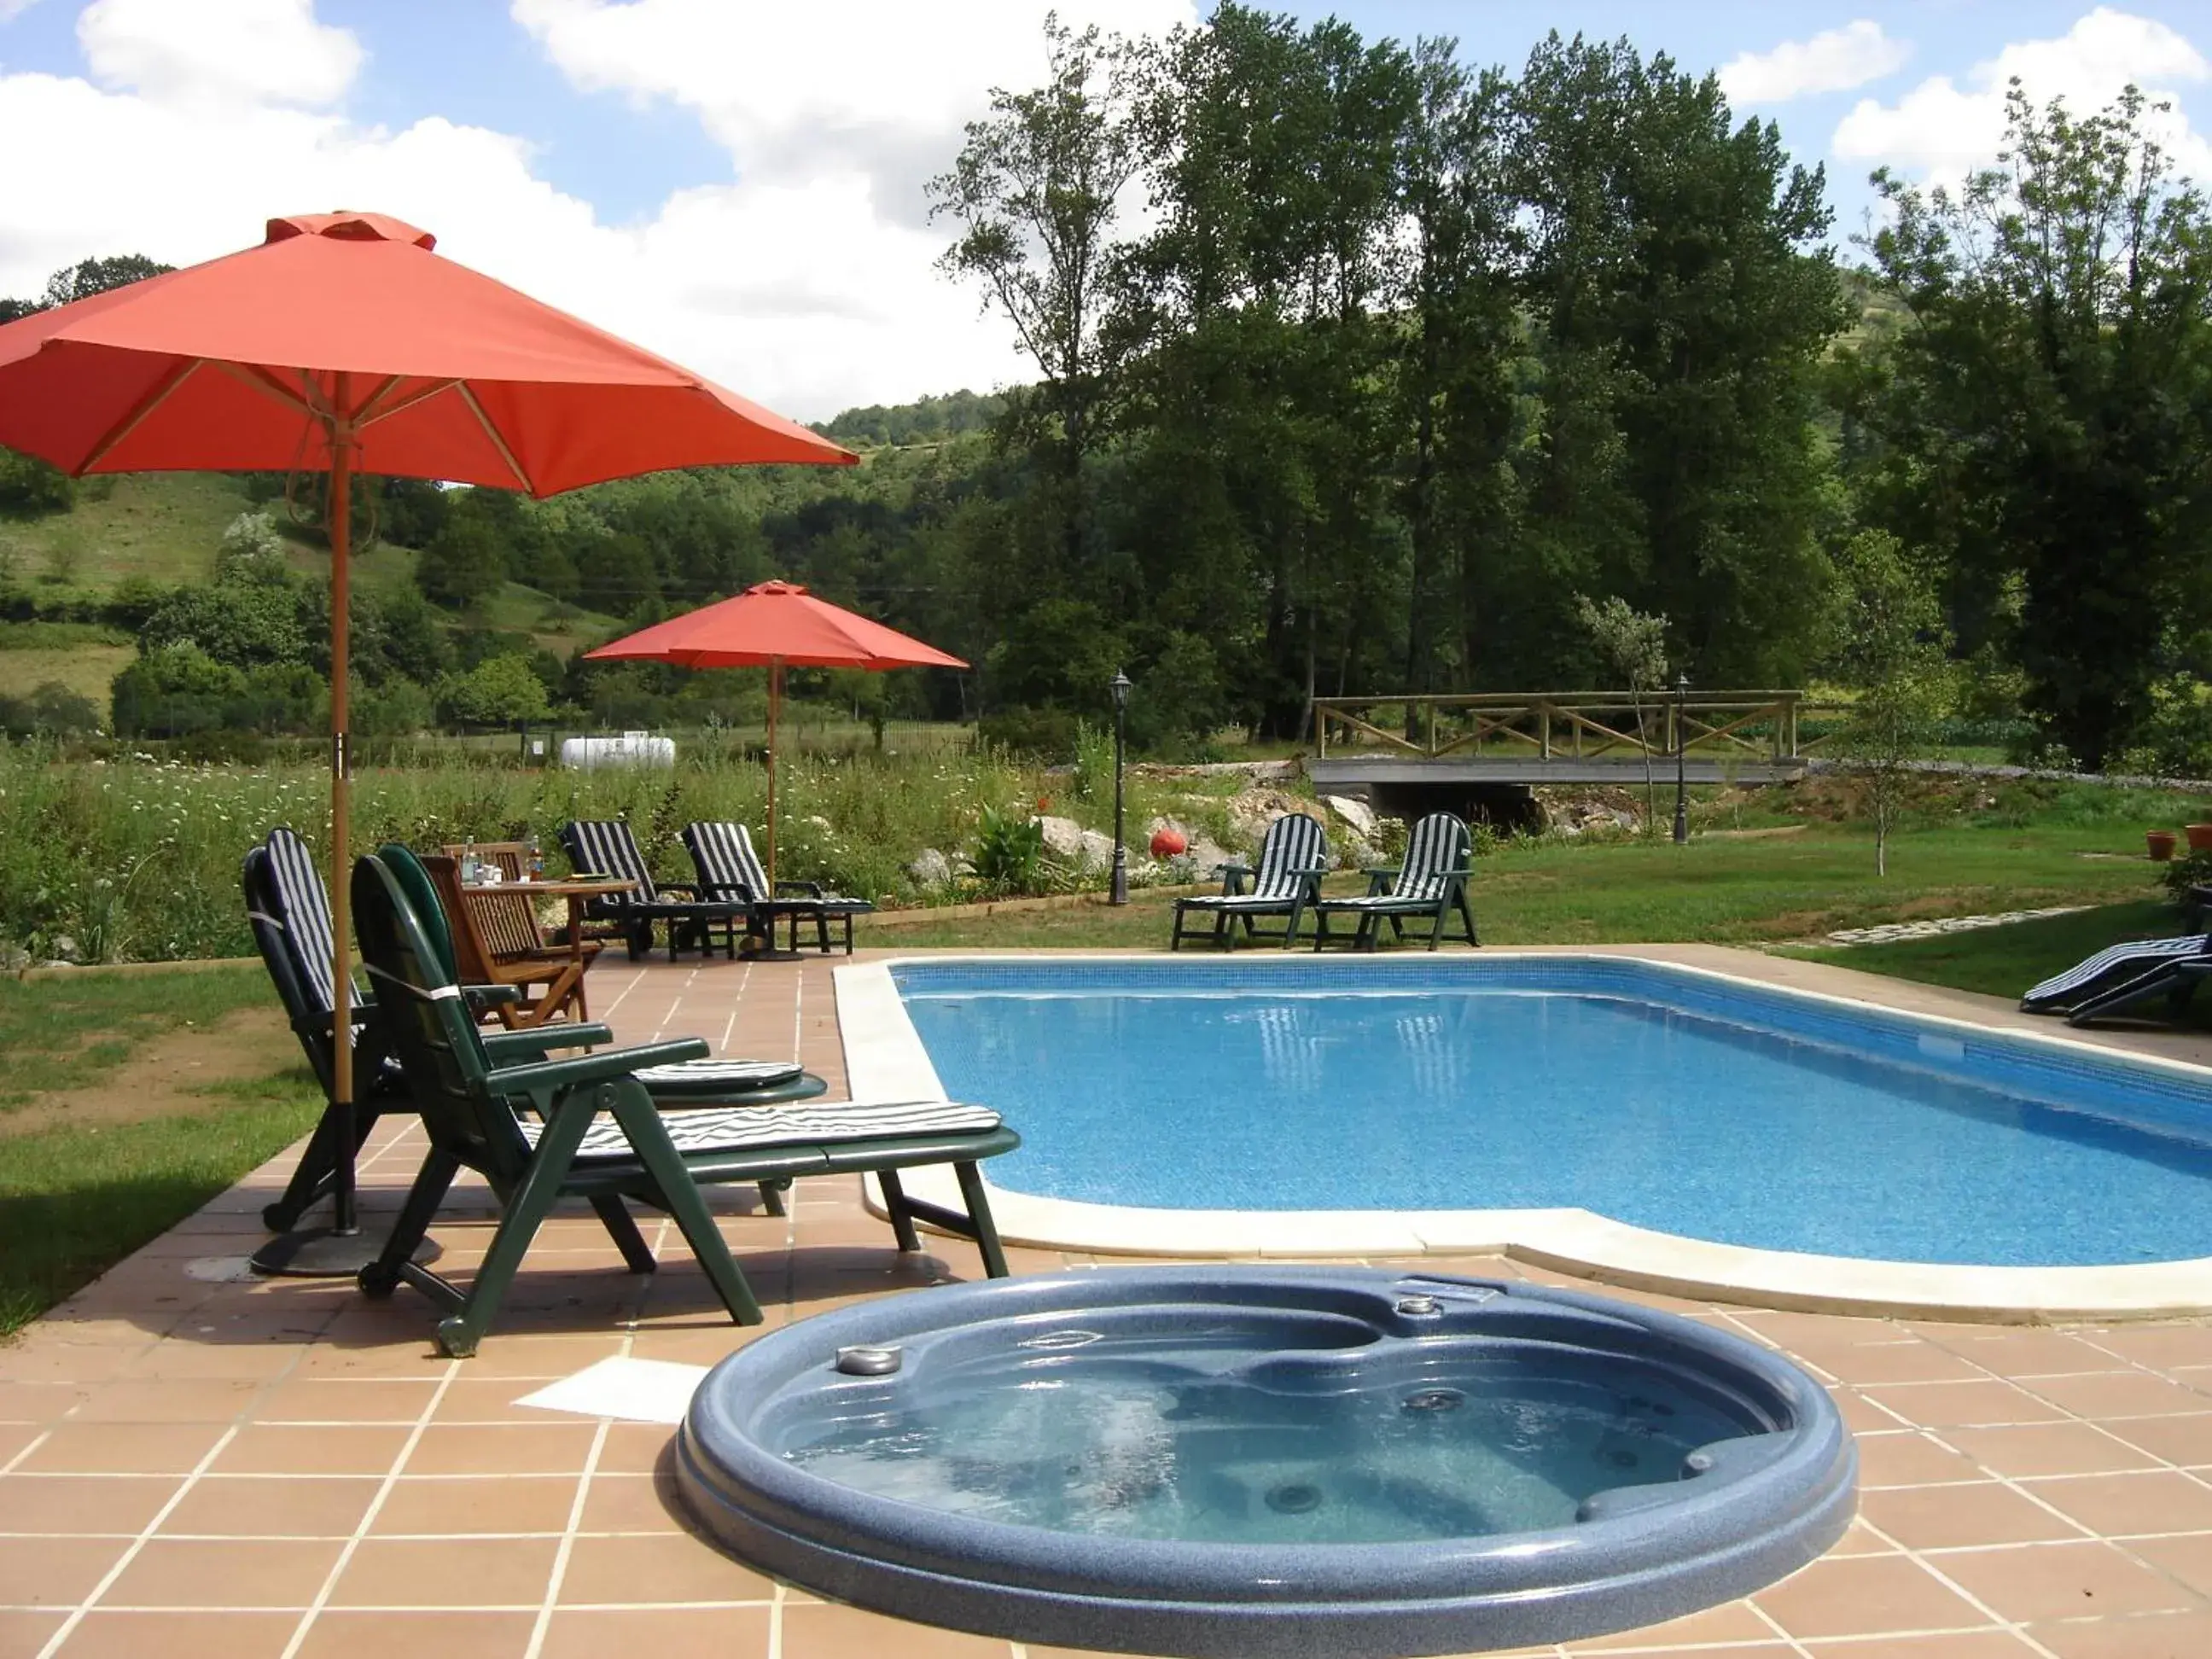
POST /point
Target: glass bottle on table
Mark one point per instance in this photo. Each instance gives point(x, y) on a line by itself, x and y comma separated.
point(533, 862)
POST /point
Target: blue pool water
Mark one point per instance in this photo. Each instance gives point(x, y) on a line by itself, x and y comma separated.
point(1668, 1101)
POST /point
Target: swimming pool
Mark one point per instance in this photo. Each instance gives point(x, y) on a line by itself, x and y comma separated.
point(1664, 1098)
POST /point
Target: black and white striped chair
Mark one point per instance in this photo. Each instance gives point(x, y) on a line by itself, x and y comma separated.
point(730, 869)
point(1293, 858)
point(2123, 975)
point(605, 846)
point(1431, 883)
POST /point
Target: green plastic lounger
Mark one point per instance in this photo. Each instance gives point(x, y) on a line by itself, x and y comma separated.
point(689, 1086)
point(2122, 976)
point(605, 846)
point(1430, 886)
point(287, 910)
point(730, 870)
point(1293, 858)
point(586, 1127)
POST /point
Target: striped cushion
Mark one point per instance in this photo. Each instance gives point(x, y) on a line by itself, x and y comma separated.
point(703, 1077)
point(1295, 844)
point(742, 1128)
point(726, 861)
point(303, 906)
point(2130, 958)
point(605, 846)
point(1439, 843)
point(1242, 902)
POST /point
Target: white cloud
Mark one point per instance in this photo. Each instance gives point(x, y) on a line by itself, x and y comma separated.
point(807, 283)
point(1941, 130)
point(1834, 60)
point(271, 51)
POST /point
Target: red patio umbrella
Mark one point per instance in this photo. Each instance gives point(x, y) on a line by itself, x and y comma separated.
point(344, 344)
point(775, 625)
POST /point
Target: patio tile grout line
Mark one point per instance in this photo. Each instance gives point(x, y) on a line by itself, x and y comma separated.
point(346, 1553)
point(557, 1576)
point(2016, 1627)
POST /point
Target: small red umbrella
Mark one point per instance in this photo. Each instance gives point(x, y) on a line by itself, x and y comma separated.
point(342, 343)
point(775, 625)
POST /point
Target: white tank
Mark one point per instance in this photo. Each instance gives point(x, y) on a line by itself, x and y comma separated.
point(631, 749)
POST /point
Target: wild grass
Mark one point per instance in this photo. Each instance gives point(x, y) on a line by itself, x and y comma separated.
point(137, 860)
point(69, 1031)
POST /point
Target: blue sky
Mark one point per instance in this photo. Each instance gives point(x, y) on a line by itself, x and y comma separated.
point(739, 187)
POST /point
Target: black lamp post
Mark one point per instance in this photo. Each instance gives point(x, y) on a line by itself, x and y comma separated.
point(1681, 748)
point(1120, 894)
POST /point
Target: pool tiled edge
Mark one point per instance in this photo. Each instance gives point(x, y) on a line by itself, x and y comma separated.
point(885, 1060)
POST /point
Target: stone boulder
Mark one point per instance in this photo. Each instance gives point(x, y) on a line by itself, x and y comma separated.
point(1251, 811)
point(1357, 816)
point(1086, 850)
point(930, 868)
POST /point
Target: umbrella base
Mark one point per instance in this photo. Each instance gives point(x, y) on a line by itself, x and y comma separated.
point(774, 954)
point(325, 1253)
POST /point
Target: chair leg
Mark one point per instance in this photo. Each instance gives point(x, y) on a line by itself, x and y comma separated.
point(979, 1211)
point(381, 1277)
point(622, 1226)
point(522, 1214)
point(902, 1218)
point(649, 1136)
point(771, 1193)
point(311, 1178)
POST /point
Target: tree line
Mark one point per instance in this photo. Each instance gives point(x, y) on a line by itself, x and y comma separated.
point(1361, 368)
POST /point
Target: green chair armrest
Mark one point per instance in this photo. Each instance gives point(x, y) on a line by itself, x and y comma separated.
point(606, 1066)
point(537, 1039)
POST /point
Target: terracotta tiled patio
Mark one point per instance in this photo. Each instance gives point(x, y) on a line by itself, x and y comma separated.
point(190, 1464)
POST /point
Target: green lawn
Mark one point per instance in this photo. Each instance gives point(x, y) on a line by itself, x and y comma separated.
point(75, 1197)
point(2003, 962)
point(1723, 891)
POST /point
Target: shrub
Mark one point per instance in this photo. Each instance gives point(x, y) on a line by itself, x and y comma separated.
point(498, 691)
point(1010, 851)
point(1046, 734)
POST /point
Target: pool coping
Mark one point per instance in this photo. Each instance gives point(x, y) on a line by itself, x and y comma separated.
point(885, 1060)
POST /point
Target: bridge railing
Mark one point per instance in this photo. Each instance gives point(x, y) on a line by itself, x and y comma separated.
point(1754, 724)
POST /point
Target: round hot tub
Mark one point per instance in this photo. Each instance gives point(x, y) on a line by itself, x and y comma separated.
point(1261, 1461)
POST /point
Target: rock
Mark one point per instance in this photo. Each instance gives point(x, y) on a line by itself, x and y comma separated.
point(1087, 850)
point(58, 962)
point(930, 868)
point(66, 949)
point(1353, 852)
point(14, 958)
point(1357, 814)
point(1252, 810)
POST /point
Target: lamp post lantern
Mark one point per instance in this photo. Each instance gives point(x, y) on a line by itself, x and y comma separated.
point(1120, 892)
point(1681, 749)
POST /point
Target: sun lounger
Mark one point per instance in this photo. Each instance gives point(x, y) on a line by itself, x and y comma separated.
point(606, 847)
point(1431, 883)
point(2122, 976)
point(587, 1127)
point(1293, 858)
point(729, 869)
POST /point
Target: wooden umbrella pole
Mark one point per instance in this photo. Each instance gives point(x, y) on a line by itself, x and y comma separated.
point(775, 707)
point(339, 513)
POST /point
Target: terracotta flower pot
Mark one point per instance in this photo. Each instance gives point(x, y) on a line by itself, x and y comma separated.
point(2200, 837)
point(2162, 843)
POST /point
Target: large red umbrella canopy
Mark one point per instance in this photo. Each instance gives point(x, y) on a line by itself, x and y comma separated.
point(775, 625)
point(772, 622)
point(343, 343)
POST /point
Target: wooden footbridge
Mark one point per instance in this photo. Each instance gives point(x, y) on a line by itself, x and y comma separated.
point(1490, 738)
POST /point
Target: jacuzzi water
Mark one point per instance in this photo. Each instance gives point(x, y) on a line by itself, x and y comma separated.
point(1134, 1446)
point(1258, 1461)
point(1683, 1102)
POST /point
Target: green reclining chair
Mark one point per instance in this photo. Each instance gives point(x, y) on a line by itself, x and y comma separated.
point(586, 1127)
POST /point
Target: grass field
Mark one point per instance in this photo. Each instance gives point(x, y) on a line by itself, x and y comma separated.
point(82, 1187)
point(164, 527)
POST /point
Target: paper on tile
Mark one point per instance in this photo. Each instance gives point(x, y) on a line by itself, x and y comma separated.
point(633, 1390)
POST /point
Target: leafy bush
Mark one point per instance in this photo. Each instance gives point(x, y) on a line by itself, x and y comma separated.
point(52, 708)
point(1044, 734)
point(1010, 851)
point(2191, 870)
